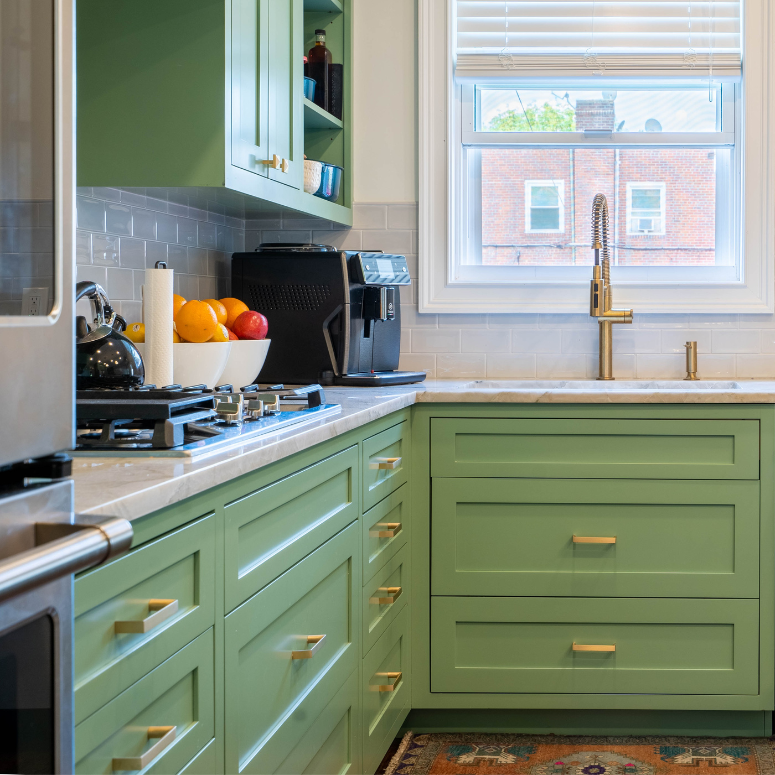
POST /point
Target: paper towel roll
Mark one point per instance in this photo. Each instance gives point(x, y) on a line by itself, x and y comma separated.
point(157, 310)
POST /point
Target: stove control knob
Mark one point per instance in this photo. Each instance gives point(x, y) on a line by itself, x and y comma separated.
point(254, 409)
point(271, 403)
point(229, 412)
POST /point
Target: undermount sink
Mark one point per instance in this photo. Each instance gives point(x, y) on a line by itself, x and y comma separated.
point(592, 384)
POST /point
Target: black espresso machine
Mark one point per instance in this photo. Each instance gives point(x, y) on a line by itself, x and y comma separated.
point(334, 315)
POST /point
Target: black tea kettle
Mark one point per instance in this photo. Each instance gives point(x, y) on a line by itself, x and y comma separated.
point(104, 357)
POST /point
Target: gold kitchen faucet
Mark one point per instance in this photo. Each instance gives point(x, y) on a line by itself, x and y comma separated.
point(600, 294)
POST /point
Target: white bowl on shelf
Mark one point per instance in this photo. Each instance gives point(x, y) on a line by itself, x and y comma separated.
point(313, 170)
point(246, 359)
point(197, 364)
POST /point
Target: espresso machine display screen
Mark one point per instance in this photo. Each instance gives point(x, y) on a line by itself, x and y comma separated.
point(380, 269)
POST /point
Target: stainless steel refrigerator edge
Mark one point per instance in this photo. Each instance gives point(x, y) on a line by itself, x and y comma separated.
point(36, 376)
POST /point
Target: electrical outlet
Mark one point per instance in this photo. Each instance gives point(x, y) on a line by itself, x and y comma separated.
point(35, 301)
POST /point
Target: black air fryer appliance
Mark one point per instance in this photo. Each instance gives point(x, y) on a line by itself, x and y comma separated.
point(334, 315)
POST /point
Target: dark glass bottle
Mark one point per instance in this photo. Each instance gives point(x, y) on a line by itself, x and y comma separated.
point(319, 59)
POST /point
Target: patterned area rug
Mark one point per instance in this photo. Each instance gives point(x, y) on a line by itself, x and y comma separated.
point(477, 754)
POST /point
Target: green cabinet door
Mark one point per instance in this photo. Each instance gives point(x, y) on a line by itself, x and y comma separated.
point(267, 80)
point(590, 538)
point(249, 93)
point(285, 83)
point(277, 678)
point(594, 646)
point(609, 448)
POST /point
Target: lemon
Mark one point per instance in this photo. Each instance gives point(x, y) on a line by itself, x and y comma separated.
point(135, 332)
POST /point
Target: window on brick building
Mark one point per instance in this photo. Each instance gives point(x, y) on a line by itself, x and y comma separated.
point(544, 206)
point(532, 108)
point(646, 209)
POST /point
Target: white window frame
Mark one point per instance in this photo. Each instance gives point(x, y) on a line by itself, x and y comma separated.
point(560, 186)
point(441, 191)
point(634, 185)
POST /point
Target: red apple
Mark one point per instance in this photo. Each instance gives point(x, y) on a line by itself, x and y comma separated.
point(251, 325)
point(232, 336)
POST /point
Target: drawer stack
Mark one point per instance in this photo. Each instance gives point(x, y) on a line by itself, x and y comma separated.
point(610, 556)
point(385, 528)
point(292, 628)
point(144, 655)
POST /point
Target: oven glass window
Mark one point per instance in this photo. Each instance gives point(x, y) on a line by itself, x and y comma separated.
point(26, 157)
point(27, 715)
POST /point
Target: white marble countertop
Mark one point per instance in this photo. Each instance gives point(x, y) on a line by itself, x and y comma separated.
point(132, 487)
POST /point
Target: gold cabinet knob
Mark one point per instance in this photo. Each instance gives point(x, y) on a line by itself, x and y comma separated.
point(285, 166)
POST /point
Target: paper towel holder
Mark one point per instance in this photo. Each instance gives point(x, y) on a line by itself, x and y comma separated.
point(160, 265)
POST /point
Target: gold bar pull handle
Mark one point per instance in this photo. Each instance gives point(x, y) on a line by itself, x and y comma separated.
point(275, 162)
point(389, 595)
point(162, 610)
point(166, 736)
point(317, 643)
point(584, 647)
point(394, 681)
point(386, 529)
point(594, 539)
point(385, 463)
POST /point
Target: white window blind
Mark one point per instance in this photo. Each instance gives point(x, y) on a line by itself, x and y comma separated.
point(611, 37)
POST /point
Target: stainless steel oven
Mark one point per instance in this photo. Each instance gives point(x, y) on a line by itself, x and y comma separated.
point(42, 542)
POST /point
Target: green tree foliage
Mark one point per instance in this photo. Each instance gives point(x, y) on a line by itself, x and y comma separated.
point(546, 118)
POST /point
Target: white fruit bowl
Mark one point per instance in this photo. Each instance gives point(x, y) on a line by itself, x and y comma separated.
point(246, 359)
point(197, 364)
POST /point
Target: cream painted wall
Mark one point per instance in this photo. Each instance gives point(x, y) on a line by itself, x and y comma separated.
point(385, 85)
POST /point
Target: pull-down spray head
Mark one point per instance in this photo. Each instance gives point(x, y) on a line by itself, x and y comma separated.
point(600, 230)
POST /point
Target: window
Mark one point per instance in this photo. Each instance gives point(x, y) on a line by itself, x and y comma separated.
point(646, 211)
point(544, 107)
point(544, 206)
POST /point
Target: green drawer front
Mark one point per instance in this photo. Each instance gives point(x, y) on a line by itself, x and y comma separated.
point(596, 449)
point(389, 516)
point(333, 743)
point(391, 583)
point(272, 529)
point(204, 763)
point(390, 445)
point(265, 685)
point(525, 645)
point(385, 711)
point(178, 693)
point(181, 567)
point(673, 539)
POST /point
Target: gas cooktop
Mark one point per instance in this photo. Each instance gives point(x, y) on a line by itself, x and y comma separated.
point(184, 422)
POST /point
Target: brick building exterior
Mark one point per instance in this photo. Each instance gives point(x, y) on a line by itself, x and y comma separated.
point(536, 202)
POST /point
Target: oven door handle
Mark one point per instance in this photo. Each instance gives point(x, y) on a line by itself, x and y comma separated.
point(63, 548)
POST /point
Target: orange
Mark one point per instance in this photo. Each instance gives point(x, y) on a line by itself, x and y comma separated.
point(219, 309)
point(234, 308)
point(196, 321)
point(176, 338)
point(177, 303)
point(135, 332)
point(221, 334)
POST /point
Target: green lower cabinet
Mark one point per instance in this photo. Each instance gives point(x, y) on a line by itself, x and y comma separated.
point(288, 650)
point(600, 448)
point(166, 588)
point(594, 646)
point(204, 763)
point(385, 530)
point(386, 691)
point(280, 524)
point(589, 538)
point(332, 745)
point(384, 596)
point(159, 723)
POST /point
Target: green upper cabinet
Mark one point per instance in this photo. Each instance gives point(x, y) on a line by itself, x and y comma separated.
point(267, 89)
point(209, 93)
